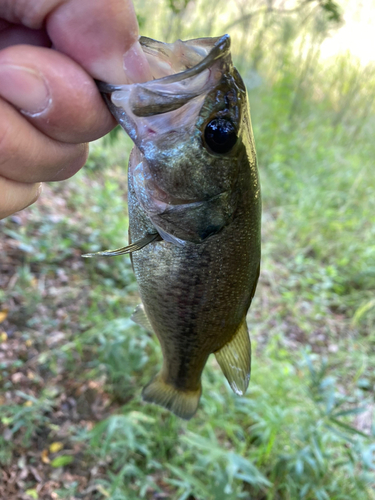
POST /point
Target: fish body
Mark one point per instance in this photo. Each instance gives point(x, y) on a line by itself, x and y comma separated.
point(194, 189)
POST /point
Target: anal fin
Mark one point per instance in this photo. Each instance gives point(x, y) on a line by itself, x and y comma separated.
point(139, 316)
point(235, 360)
point(133, 247)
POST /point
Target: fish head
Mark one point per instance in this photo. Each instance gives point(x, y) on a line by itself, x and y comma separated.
point(192, 131)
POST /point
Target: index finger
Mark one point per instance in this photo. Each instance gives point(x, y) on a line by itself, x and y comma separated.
point(100, 35)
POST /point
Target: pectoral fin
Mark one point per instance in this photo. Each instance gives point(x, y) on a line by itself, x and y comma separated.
point(235, 360)
point(133, 247)
point(170, 238)
point(139, 316)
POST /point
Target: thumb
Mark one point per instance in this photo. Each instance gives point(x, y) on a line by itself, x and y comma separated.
point(102, 37)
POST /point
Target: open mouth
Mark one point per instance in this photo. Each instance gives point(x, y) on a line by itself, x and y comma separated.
point(184, 72)
point(172, 63)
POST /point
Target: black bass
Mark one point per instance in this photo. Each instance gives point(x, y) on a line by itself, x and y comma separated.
point(194, 213)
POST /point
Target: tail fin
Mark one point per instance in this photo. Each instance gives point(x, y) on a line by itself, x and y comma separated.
point(184, 404)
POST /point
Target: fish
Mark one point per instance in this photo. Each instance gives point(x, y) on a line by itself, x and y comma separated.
point(194, 204)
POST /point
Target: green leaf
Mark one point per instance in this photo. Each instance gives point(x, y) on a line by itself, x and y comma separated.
point(349, 428)
point(32, 493)
point(353, 411)
point(61, 461)
point(362, 311)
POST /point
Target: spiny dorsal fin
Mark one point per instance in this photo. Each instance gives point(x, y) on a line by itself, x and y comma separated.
point(235, 360)
point(139, 316)
point(133, 247)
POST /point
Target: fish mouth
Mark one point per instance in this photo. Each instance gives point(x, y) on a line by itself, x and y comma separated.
point(184, 72)
point(214, 48)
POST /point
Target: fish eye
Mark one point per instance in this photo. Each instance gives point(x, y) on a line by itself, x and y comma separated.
point(220, 135)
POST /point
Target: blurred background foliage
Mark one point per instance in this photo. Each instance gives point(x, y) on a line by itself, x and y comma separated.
point(305, 430)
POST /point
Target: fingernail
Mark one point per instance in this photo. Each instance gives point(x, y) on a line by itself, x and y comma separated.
point(136, 65)
point(38, 188)
point(24, 88)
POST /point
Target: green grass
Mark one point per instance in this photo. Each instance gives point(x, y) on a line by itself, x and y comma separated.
point(298, 432)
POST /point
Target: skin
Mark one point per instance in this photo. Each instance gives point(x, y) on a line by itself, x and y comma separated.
point(50, 53)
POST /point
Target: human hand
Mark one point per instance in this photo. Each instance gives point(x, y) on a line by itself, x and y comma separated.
point(49, 104)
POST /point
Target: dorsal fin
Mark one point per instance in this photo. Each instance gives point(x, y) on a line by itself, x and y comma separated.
point(235, 360)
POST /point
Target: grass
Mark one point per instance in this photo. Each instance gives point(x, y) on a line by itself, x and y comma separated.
point(72, 364)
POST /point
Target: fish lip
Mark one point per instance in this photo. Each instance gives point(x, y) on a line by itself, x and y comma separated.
point(219, 50)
